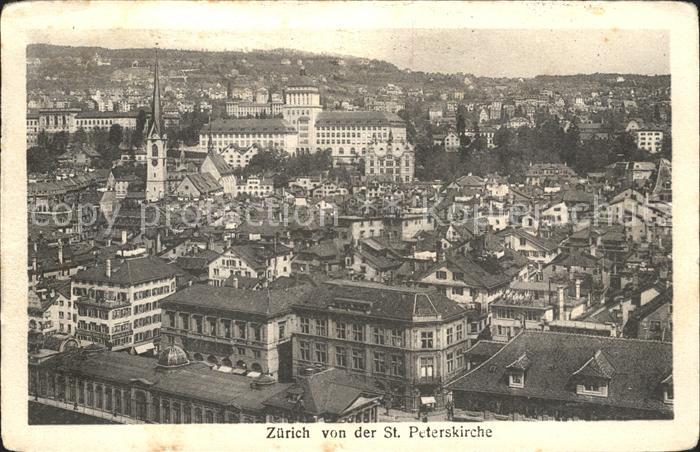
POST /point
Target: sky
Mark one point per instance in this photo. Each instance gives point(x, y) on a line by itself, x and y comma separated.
point(482, 52)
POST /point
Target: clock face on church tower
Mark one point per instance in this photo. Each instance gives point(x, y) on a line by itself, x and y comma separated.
point(154, 162)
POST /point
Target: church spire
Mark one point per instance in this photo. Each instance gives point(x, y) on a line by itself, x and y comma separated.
point(156, 117)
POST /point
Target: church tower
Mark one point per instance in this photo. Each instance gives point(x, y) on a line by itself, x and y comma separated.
point(156, 157)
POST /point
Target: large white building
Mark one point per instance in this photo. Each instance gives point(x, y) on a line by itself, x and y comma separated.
point(266, 133)
point(302, 105)
point(348, 134)
point(649, 140)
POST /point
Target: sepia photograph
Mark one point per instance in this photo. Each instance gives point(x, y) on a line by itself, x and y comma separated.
point(436, 226)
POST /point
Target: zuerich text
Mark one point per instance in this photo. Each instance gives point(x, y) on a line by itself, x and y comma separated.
point(287, 432)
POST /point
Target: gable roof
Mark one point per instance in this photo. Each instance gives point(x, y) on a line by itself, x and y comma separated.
point(556, 357)
point(203, 183)
point(331, 391)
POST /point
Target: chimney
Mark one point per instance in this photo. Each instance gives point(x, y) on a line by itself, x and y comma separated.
point(34, 262)
point(235, 282)
point(108, 268)
point(36, 246)
point(124, 237)
point(578, 289)
point(562, 313)
point(60, 251)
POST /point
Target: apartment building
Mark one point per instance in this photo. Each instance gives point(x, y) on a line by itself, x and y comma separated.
point(118, 302)
point(407, 341)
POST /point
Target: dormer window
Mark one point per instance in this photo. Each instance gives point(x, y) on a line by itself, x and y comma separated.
point(667, 385)
point(516, 371)
point(516, 379)
point(593, 378)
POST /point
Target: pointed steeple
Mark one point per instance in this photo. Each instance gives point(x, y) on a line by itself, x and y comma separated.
point(156, 117)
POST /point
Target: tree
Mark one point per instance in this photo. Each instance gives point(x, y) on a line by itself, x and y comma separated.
point(39, 160)
point(116, 133)
point(137, 137)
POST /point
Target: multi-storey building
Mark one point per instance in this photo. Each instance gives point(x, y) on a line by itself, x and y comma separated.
point(348, 134)
point(409, 342)
point(649, 140)
point(239, 157)
point(53, 120)
point(302, 105)
point(118, 302)
point(32, 128)
point(390, 161)
point(259, 261)
point(231, 327)
point(266, 133)
point(243, 109)
point(255, 186)
point(103, 120)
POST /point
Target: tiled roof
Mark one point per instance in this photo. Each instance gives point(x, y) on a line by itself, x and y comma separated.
point(373, 118)
point(485, 348)
point(245, 125)
point(129, 271)
point(195, 381)
point(229, 299)
point(204, 183)
point(555, 358)
point(381, 301)
point(220, 163)
point(331, 391)
point(597, 367)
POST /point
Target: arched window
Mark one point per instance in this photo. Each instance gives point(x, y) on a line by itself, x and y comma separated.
point(211, 359)
point(255, 367)
point(226, 362)
point(197, 415)
point(198, 357)
point(209, 417)
point(240, 364)
point(177, 413)
point(81, 393)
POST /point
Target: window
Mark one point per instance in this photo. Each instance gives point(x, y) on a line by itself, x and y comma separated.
point(450, 336)
point(358, 333)
point(592, 388)
point(305, 325)
point(450, 362)
point(459, 332)
point(397, 337)
point(460, 359)
point(226, 328)
point(198, 324)
point(378, 334)
point(358, 359)
point(441, 275)
point(321, 353)
point(321, 327)
point(281, 327)
point(305, 351)
point(379, 362)
point(241, 330)
point(458, 290)
point(426, 367)
point(473, 327)
point(341, 357)
point(341, 330)
point(516, 380)
point(426, 339)
point(668, 394)
point(397, 365)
